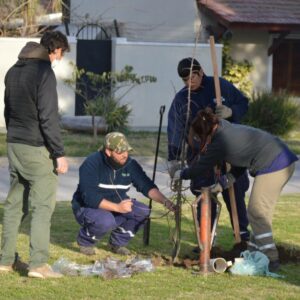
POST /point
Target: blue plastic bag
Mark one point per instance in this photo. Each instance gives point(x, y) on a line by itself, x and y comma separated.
point(252, 263)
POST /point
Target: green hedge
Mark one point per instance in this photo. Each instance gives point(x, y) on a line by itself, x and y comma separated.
point(276, 113)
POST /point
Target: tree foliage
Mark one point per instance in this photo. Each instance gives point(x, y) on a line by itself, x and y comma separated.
point(102, 94)
point(19, 17)
point(237, 72)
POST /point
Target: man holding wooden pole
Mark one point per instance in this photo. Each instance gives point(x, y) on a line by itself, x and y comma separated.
point(201, 95)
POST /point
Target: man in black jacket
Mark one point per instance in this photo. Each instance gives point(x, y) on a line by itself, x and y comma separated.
point(35, 150)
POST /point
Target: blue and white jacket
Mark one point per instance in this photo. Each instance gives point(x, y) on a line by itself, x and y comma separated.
point(98, 180)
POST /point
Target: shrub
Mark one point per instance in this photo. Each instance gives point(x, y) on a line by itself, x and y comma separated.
point(276, 113)
point(116, 114)
point(102, 94)
point(236, 72)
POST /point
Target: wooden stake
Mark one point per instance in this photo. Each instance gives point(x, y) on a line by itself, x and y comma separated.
point(235, 220)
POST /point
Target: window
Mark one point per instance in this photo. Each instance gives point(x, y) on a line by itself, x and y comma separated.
point(286, 67)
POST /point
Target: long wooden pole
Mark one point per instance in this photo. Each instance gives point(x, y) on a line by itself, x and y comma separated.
point(235, 220)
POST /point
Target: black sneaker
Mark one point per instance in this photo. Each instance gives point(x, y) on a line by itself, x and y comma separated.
point(19, 265)
point(87, 250)
point(274, 266)
point(119, 250)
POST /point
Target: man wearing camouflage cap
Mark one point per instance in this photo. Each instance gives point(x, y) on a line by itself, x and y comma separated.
point(101, 204)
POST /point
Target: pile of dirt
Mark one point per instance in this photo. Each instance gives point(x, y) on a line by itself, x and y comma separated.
point(286, 255)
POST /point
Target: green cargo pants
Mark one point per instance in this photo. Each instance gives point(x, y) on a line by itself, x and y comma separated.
point(264, 195)
point(32, 182)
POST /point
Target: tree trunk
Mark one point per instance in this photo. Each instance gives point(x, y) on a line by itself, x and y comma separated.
point(94, 125)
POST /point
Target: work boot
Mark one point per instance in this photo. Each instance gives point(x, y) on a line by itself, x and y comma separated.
point(274, 266)
point(43, 272)
point(87, 250)
point(19, 265)
point(119, 250)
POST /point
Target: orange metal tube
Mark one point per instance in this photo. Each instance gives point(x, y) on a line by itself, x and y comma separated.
point(205, 232)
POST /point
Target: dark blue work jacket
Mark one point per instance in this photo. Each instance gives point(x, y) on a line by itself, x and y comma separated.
point(98, 180)
point(200, 99)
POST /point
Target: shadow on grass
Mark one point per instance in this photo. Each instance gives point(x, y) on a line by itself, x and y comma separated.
point(64, 232)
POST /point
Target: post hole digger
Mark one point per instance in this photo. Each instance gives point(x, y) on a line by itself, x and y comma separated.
point(206, 234)
point(194, 206)
point(205, 96)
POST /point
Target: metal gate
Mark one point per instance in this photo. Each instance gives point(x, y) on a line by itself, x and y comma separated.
point(93, 54)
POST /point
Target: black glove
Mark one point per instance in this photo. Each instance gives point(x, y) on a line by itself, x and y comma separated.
point(223, 111)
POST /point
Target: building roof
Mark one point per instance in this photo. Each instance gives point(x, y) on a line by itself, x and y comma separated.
point(272, 15)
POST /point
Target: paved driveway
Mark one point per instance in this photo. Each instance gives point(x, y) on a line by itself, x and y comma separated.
point(69, 181)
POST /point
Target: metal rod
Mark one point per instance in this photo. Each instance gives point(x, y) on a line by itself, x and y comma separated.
point(146, 233)
point(177, 236)
point(196, 221)
point(216, 220)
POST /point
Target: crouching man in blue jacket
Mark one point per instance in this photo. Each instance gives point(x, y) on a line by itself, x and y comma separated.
point(101, 204)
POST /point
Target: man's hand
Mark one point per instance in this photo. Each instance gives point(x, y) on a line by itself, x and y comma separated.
point(169, 205)
point(223, 111)
point(173, 166)
point(224, 182)
point(62, 165)
point(125, 206)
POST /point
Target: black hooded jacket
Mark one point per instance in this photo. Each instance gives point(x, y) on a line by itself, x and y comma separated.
point(31, 103)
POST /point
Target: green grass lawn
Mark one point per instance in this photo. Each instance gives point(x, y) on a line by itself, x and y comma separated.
point(79, 144)
point(144, 143)
point(166, 282)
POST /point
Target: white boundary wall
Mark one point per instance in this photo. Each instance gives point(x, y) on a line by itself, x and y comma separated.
point(157, 59)
point(10, 49)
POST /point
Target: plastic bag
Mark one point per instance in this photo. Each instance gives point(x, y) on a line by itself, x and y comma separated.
point(109, 268)
point(140, 265)
point(69, 268)
point(252, 263)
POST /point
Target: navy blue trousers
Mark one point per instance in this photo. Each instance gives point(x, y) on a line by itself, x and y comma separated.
point(240, 188)
point(97, 222)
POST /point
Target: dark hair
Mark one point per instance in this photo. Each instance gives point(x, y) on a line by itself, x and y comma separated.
point(52, 40)
point(202, 127)
point(185, 65)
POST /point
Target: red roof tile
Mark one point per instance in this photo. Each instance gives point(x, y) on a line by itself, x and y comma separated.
point(267, 13)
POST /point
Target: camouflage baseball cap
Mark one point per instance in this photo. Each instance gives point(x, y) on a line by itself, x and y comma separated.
point(116, 141)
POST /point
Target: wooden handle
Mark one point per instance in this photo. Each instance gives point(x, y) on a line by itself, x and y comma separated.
point(234, 215)
point(215, 69)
